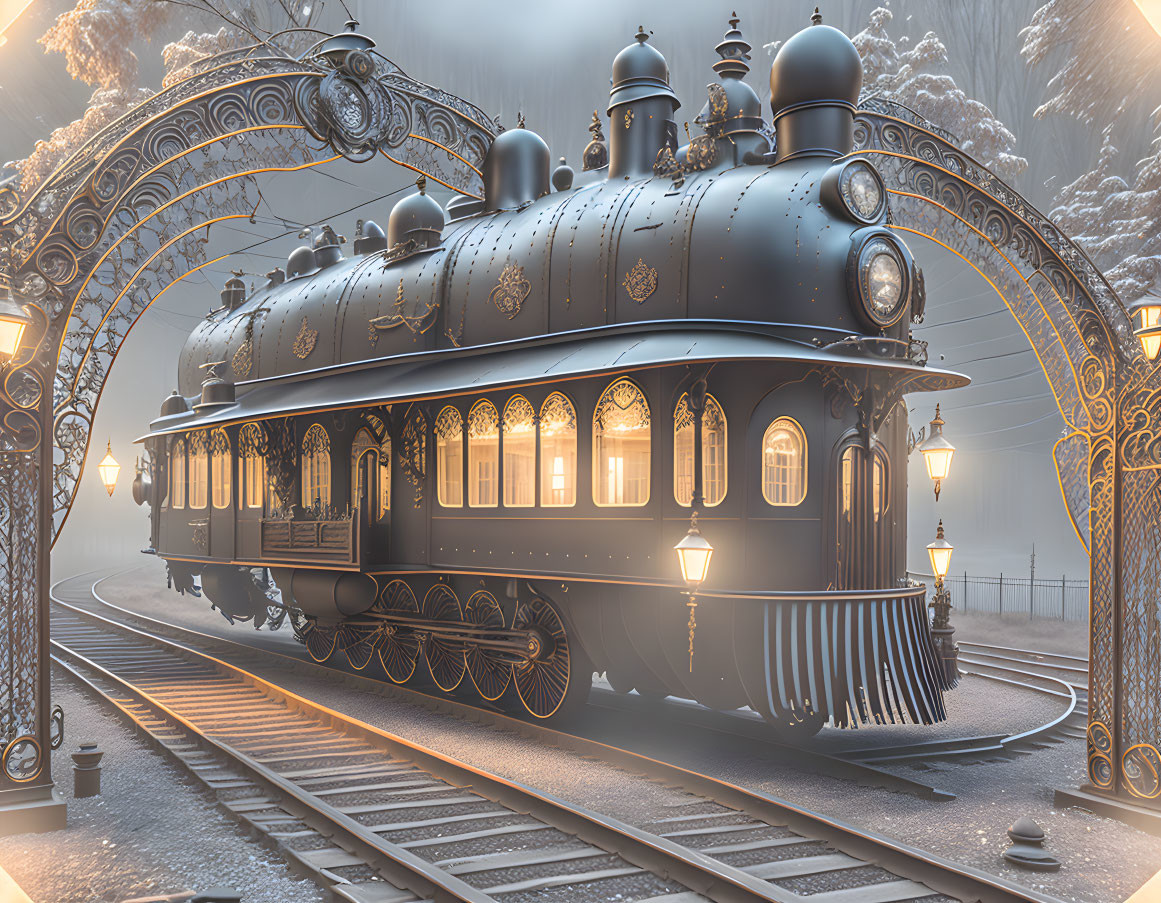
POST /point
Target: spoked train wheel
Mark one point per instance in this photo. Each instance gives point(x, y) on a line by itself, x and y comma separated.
point(320, 642)
point(445, 658)
point(555, 676)
point(398, 648)
point(489, 673)
point(358, 642)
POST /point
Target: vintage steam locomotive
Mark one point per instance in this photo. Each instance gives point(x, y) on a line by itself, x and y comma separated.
point(469, 447)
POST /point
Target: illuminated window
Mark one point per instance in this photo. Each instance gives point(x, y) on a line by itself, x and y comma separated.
point(879, 489)
point(199, 470)
point(177, 474)
point(847, 480)
point(713, 452)
point(252, 465)
point(621, 451)
point(449, 457)
point(557, 452)
point(784, 463)
point(483, 455)
point(519, 453)
point(377, 468)
point(221, 467)
point(316, 468)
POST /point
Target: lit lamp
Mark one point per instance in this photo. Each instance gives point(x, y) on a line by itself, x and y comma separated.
point(1147, 310)
point(108, 469)
point(13, 321)
point(693, 554)
point(940, 553)
point(937, 453)
point(941, 629)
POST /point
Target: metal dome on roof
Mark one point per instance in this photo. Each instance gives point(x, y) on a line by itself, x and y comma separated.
point(814, 85)
point(416, 217)
point(640, 71)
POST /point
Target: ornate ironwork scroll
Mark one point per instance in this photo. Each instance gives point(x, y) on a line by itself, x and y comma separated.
point(1107, 394)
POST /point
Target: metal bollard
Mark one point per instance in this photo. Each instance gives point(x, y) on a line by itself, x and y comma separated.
point(87, 771)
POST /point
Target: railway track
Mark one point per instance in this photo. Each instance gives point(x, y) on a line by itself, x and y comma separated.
point(1061, 676)
point(382, 820)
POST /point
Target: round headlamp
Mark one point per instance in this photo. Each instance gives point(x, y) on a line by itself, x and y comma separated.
point(882, 278)
point(855, 189)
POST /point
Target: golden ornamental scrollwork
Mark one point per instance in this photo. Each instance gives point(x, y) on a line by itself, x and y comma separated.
point(413, 452)
point(628, 117)
point(305, 341)
point(641, 281)
point(416, 323)
point(622, 406)
point(243, 358)
point(511, 290)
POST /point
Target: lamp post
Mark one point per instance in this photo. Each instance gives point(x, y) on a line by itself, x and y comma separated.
point(940, 554)
point(108, 469)
point(936, 450)
point(694, 551)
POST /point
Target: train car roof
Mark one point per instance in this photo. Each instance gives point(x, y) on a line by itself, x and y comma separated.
point(446, 373)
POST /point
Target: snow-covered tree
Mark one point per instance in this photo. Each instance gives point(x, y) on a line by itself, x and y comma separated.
point(917, 76)
point(95, 37)
point(191, 47)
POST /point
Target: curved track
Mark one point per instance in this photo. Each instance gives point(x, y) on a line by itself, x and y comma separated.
point(339, 795)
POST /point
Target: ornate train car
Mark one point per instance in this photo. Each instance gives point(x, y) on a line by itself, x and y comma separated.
point(469, 448)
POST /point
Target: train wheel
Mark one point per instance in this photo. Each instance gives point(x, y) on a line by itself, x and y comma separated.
point(358, 643)
point(444, 658)
point(490, 674)
point(320, 642)
point(398, 649)
point(556, 679)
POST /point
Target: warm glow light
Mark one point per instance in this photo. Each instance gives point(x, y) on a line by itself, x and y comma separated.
point(693, 555)
point(937, 452)
point(1151, 10)
point(10, 11)
point(13, 321)
point(940, 554)
point(1148, 309)
point(108, 469)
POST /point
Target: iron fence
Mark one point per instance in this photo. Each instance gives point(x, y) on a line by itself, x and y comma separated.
point(1043, 597)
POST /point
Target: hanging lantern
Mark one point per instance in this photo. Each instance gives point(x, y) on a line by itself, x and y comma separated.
point(937, 453)
point(108, 469)
point(693, 554)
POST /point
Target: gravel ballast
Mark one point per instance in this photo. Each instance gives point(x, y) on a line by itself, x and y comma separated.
point(1104, 861)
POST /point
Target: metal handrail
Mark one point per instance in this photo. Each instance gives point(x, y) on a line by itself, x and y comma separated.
point(843, 595)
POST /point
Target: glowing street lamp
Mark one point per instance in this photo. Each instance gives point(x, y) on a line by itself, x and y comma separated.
point(940, 554)
point(1148, 311)
point(13, 321)
point(108, 469)
point(937, 452)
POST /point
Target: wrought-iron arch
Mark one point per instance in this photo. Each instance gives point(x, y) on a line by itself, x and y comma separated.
point(1107, 392)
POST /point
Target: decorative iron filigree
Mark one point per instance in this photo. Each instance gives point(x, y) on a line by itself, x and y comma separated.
point(622, 406)
point(511, 290)
point(641, 281)
point(305, 341)
point(413, 452)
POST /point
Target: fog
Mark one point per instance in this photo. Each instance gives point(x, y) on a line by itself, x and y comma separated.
point(551, 62)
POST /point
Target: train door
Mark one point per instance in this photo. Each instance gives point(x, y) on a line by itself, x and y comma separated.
point(371, 492)
point(863, 537)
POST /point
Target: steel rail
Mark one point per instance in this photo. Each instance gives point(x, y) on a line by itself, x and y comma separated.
point(938, 874)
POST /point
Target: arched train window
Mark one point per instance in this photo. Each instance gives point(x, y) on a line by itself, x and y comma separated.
point(557, 452)
point(621, 450)
point(252, 465)
point(784, 463)
point(177, 474)
point(199, 469)
point(713, 452)
point(449, 457)
point(519, 453)
point(316, 468)
point(221, 468)
point(483, 455)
